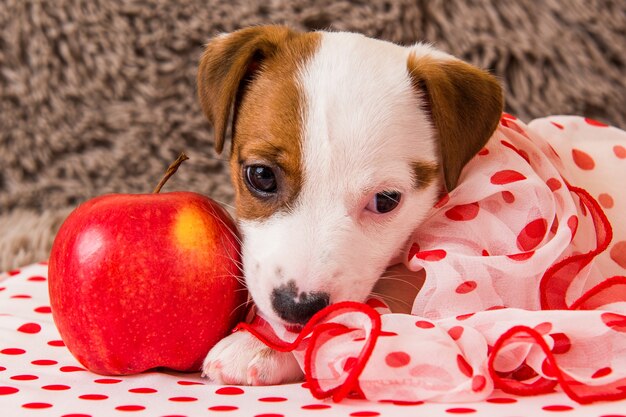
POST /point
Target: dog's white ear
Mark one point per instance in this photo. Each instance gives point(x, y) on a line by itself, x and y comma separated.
point(229, 62)
point(465, 104)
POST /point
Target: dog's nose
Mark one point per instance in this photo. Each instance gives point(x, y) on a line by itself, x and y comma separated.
point(297, 307)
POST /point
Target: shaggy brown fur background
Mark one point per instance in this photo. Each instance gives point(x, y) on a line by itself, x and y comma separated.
point(99, 96)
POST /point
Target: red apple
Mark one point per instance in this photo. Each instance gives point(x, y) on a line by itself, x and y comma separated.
point(144, 281)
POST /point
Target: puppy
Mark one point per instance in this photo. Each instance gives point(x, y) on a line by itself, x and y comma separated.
point(341, 145)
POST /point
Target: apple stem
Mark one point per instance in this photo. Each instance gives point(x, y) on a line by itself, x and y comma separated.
point(170, 171)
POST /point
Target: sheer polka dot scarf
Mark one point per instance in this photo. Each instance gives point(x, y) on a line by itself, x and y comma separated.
point(526, 282)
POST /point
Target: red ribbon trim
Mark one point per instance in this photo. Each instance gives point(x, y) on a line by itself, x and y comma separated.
point(557, 279)
point(316, 330)
point(579, 392)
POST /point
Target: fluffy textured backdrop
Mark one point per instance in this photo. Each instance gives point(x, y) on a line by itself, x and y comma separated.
point(99, 96)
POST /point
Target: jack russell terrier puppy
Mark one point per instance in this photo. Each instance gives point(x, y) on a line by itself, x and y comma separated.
point(341, 144)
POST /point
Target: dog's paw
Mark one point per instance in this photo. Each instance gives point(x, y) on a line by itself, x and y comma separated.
point(241, 359)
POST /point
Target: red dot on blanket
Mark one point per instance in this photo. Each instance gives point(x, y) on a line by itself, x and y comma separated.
point(44, 362)
point(397, 359)
point(464, 367)
point(71, 369)
point(521, 256)
point(506, 176)
point(602, 372)
point(501, 400)
point(13, 351)
point(560, 126)
point(583, 160)
point(619, 151)
point(557, 408)
point(130, 408)
point(562, 344)
point(595, 122)
point(8, 390)
point(606, 200)
point(29, 328)
point(107, 381)
point(455, 332)
point(463, 212)
point(532, 234)
point(465, 287)
point(402, 403)
point(553, 184)
point(182, 399)
point(269, 415)
point(76, 415)
point(189, 383)
point(423, 324)
point(55, 387)
point(223, 408)
point(483, 152)
point(365, 414)
point(56, 343)
point(43, 310)
point(24, 377)
point(21, 296)
point(614, 321)
point(36, 405)
point(37, 279)
point(142, 390)
point(460, 410)
point(94, 397)
point(13, 272)
point(229, 391)
point(618, 253)
point(272, 399)
point(315, 407)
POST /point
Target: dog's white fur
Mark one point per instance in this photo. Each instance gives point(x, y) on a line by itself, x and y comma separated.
point(364, 125)
point(328, 241)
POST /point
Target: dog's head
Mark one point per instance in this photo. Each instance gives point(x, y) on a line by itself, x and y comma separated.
point(341, 145)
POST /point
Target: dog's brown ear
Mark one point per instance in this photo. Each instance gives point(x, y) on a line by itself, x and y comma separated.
point(465, 104)
point(228, 63)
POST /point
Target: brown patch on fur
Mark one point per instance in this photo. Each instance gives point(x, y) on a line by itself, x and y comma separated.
point(465, 104)
point(423, 173)
point(254, 70)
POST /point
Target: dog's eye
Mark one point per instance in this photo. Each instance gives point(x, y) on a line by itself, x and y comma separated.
point(260, 179)
point(384, 202)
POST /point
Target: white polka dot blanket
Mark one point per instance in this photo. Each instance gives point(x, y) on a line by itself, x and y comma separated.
point(40, 377)
point(525, 286)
